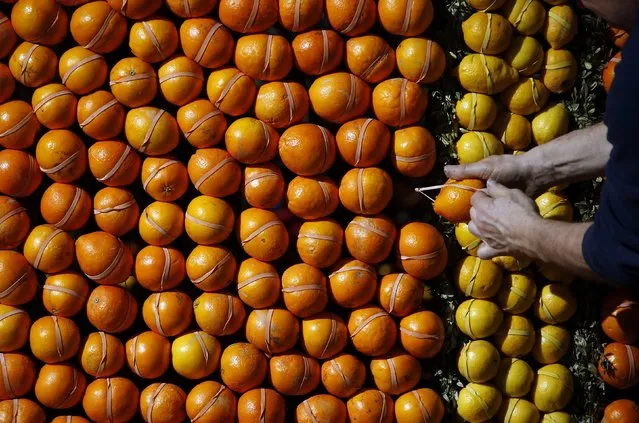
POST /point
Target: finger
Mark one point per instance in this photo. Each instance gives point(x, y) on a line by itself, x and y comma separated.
point(486, 252)
point(495, 189)
point(480, 199)
point(473, 170)
point(472, 227)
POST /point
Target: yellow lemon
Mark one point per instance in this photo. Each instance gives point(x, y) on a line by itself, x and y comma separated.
point(486, 5)
point(483, 74)
point(478, 319)
point(487, 33)
point(466, 240)
point(550, 123)
point(527, 16)
point(195, 355)
point(554, 206)
point(475, 146)
point(525, 55)
point(477, 278)
point(514, 377)
point(555, 304)
point(515, 337)
point(512, 263)
point(514, 130)
point(551, 344)
point(526, 97)
point(478, 402)
point(553, 387)
point(476, 112)
point(478, 361)
point(560, 26)
point(556, 417)
point(517, 293)
point(559, 70)
point(517, 410)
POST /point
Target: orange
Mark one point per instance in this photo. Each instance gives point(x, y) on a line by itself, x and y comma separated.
point(343, 376)
point(161, 223)
point(195, 355)
point(133, 82)
point(211, 268)
point(298, 16)
point(370, 58)
point(405, 17)
point(154, 39)
point(164, 178)
point(352, 283)
point(281, 104)
point(618, 36)
point(70, 419)
point(14, 223)
point(421, 250)
point(62, 155)
point(65, 206)
point(211, 402)
point(231, 91)
point(319, 243)
point(148, 355)
point(82, 71)
point(190, 9)
point(208, 220)
point(40, 21)
point(7, 82)
point(370, 239)
point(242, 367)
point(294, 373)
point(251, 141)
point(621, 410)
point(324, 335)
point(263, 185)
point(8, 36)
point(219, 314)
point(399, 102)
point(19, 173)
point(258, 284)
point(54, 339)
point(162, 403)
point(420, 404)
point(304, 290)
point(181, 80)
point(168, 313)
point(248, 16)
point(18, 281)
point(262, 234)
point(312, 197)
point(261, 405)
point(54, 106)
point(33, 65)
point(18, 375)
point(64, 294)
point(453, 201)
point(206, 41)
point(100, 115)
point(264, 57)
point(339, 97)
point(135, 9)
point(421, 60)
point(202, 124)
point(111, 309)
point(114, 163)
point(214, 172)
point(366, 191)
point(49, 249)
point(609, 71)
point(59, 386)
point(307, 149)
point(363, 142)
point(318, 52)
point(370, 405)
point(321, 408)
point(14, 328)
point(111, 399)
point(159, 268)
point(115, 210)
point(618, 314)
point(273, 331)
point(104, 258)
point(151, 130)
point(372, 331)
point(400, 294)
point(18, 124)
point(396, 373)
point(413, 151)
point(102, 355)
point(21, 411)
point(351, 18)
point(97, 27)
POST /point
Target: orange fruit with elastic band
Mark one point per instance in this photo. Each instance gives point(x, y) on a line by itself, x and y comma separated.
point(115, 210)
point(453, 201)
point(307, 149)
point(206, 41)
point(64, 294)
point(18, 281)
point(133, 82)
point(181, 80)
point(54, 106)
point(100, 115)
point(304, 290)
point(65, 206)
point(219, 314)
point(258, 284)
point(248, 16)
point(18, 373)
point(352, 283)
point(343, 376)
point(164, 178)
point(159, 268)
point(421, 250)
point(114, 399)
point(273, 331)
point(154, 39)
point(49, 249)
point(372, 331)
point(265, 402)
point(202, 124)
point(82, 71)
point(231, 90)
point(14, 328)
point(162, 403)
point(321, 408)
point(135, 9)
point(319, 242)
point(20, 175)
point(399, 102)
point(26, 411)
point(7, 82)
point(190, 9)
point(413, 151)
point(422, 403)
point(264, 57)
point(422, 334)
point(366, 191)
point(330, 100)
point(14, 223)
point(33, 65)
point(370, 239)
point(353, 18)
point(618, 313)
point(148, 355)
point(168, 313)
point(18, 125)
point(104, 258)
point(370, 405)
point(114, 163)
point(40, 21)
point(243, 367)
point(211, 268)
point(102, 355)
point(263, 185)
point(211, 401)
point(609, 71)
point(195, 355)
point(420, 60)
point(324, 335)
point(400, 294)
point(249, 140)
point(298, 16)
point(370, 58)
point(54, 339)
point(363, 142)
point(405, 17)
point(70, 419)
point(61, 155)
point(312, 197)
point(318, 52)
point(151, 131)
point(294, 374)
point(208, 220)
point(111, 309)
point(281, 104)
point(396, 372)
point(618, 36)
point(621, 410)
point(59, 386)
point(214, 172)
point(8, 35)
point(262, 234)
point(98, 27)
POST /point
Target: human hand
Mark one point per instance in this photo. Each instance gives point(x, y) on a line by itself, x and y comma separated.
point(502, 217)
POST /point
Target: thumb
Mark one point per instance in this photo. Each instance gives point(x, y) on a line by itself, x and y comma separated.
point(478, 170)
point(486, 252)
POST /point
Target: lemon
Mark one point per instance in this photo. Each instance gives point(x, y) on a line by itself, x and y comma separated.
point(550, 123)
point(553, 388)
point(515, 337)
point(478, 402)
point(526, 97)
point(525, 55)
point(477, 278)
point(527, 16)
point(478, 319)
point(556, 417)
point(476, 112)
point(517, 293)
point(560, 26)
point(478, 361)
point(487, 33)
point(514, 130)
point(551, 344)
point(486, 5)
point(483, 74)
point(559, 71)
point(466, 240)
point(514, 377)
point(512, 263)
point(517, 410)
point(555, 304)
point(554, 206)
point(475, 146)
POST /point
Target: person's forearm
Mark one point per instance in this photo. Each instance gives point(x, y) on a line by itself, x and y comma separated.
point(576, 156)
point(619, 13)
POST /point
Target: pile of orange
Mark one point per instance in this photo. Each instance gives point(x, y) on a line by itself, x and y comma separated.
point(202, 190)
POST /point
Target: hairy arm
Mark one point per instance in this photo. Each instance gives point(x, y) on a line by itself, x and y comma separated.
point(619, 13)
